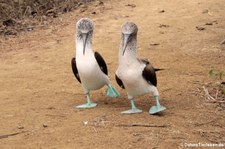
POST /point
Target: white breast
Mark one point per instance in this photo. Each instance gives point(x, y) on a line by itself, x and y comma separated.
point(130, 72)
point(92, 78)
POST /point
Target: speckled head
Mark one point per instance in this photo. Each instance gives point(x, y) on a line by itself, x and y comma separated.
point(129, 36)
point(85, 25)
point(129, 28)
point(84, 29)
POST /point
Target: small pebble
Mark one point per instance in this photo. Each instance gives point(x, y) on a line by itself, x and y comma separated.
point(205, 11)
point(200, 28)
point(131, 5)
point(163, 25)
point(85, 122)
point(209, 23)
point(20, 127)
point(45, 125)
point(162, 11)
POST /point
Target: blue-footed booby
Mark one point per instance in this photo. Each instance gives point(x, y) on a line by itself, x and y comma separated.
point(89, 67)
point(136, 76)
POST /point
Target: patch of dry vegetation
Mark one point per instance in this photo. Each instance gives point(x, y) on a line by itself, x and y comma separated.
point(214, 91)
point(24, 15)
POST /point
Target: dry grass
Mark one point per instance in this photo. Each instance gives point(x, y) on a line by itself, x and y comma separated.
point(23, 15)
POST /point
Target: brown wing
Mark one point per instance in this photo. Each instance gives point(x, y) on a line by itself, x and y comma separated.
point(119, 82)
point(74, 68)
point(149, 74)
point(101, 63)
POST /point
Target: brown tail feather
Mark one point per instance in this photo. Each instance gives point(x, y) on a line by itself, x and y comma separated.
point(158, 69)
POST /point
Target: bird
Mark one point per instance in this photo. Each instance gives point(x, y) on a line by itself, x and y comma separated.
point(137, 76)
point(88, 66)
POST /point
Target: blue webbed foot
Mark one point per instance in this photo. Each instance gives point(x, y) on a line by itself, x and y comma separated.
point(87, 105)
point(132, 111)
point(157, 108)
point(112, 92)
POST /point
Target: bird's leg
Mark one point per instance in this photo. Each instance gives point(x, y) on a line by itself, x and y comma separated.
point(157, 108)
point(88, 98)
point(111, 91)
point(157, 101)
point(89, 104)
point(133, 108)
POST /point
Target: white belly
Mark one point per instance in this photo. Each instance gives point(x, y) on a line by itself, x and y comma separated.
point(134, 83)
point(92, 78)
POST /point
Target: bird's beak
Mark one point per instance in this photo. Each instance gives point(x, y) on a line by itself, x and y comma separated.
point(84, 38)
point(125, 41)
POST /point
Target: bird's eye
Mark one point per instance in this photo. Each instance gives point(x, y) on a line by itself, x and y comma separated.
point(79, 35)
point(89, 32)
point(132, 34)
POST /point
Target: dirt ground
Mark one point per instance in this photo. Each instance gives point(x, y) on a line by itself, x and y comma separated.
point(38, 90)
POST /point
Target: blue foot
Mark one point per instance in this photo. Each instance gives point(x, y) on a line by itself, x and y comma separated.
point(132, 111)
point(87, 105)
point(156, 109)
point(112, 92)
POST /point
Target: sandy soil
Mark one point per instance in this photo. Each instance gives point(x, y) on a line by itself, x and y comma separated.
point(38, 90)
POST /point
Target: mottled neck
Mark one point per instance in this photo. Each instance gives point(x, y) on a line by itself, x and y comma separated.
point(130, 53)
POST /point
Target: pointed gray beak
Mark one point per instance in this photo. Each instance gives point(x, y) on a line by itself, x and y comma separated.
point(84, 38)
point(125, 41)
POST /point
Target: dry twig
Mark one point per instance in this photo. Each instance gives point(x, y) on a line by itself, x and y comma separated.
point(207, 95)
point(141, 125)
point(55, 115)
point(210, 98)
point(217, 91)
point(11, 134)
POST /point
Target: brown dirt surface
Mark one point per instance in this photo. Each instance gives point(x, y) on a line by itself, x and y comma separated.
point(38, 90)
